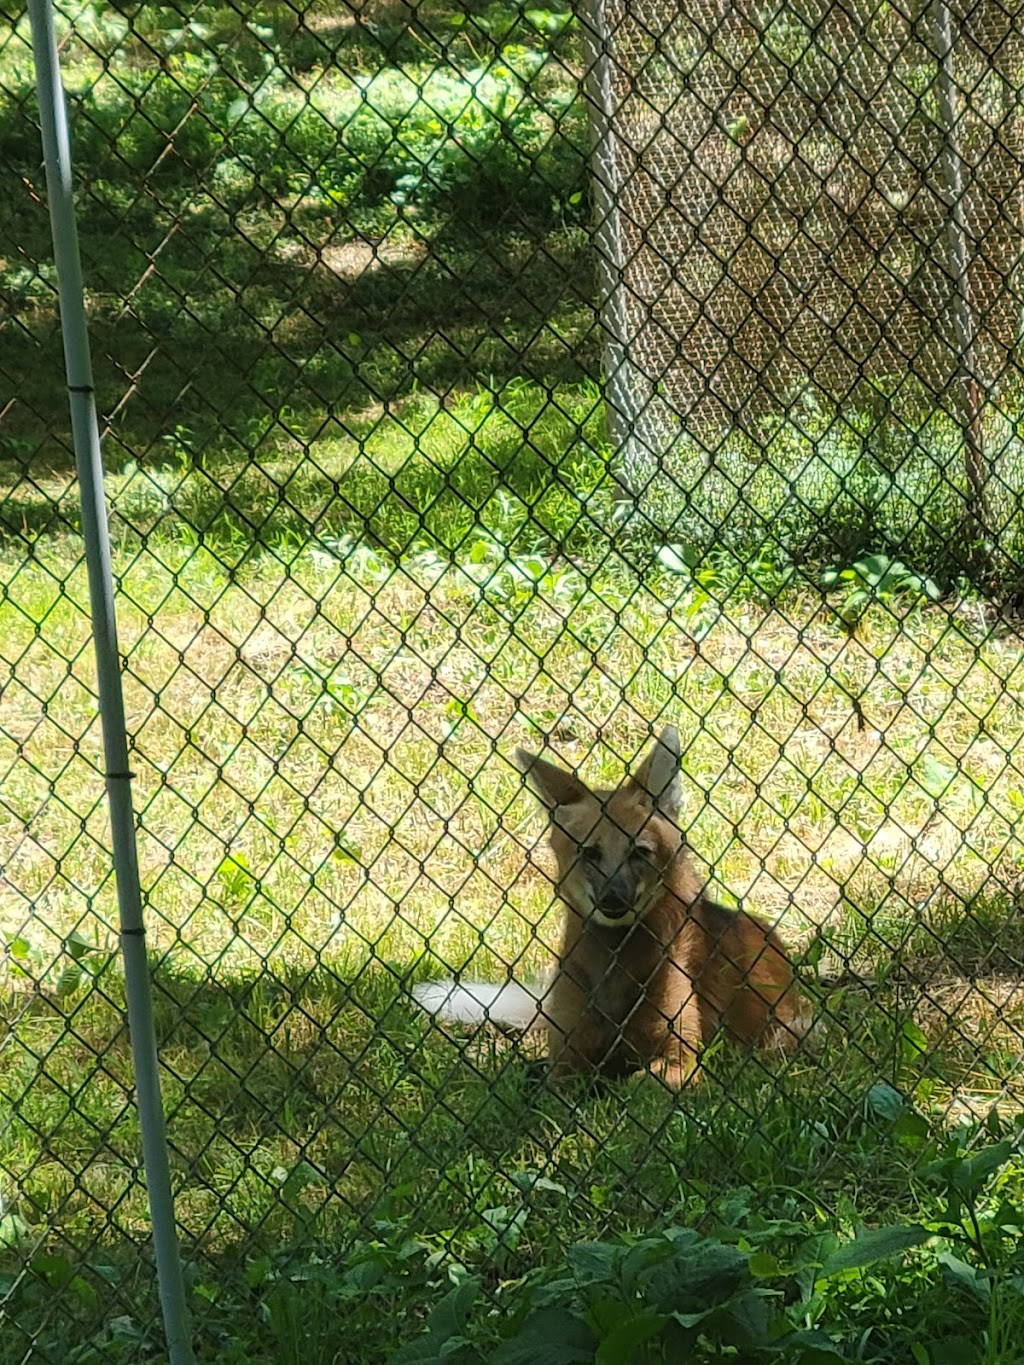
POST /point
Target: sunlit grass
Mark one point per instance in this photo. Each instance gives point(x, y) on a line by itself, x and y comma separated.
point(359, 573)
point(341, 728)
point(327, 813)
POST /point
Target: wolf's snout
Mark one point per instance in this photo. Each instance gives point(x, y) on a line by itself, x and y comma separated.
point(617, 895)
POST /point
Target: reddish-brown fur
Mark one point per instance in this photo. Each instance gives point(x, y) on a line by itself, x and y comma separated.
point(650, 969)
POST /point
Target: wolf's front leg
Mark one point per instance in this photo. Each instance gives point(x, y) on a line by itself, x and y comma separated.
point(678, 1063)
point(581, 1049)
point(574, 1055)
point(578, 1036)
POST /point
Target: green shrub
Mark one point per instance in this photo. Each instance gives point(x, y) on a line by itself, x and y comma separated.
point(498, 136)
point(829, 486)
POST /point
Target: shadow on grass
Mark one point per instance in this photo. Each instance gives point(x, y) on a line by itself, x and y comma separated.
point(234, 364)
point(324, 1098)
point(317, 1119)
point(305, 1109)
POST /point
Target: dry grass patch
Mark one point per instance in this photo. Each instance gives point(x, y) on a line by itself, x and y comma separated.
point(320, 755)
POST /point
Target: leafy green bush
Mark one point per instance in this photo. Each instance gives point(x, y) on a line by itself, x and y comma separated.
point(828, 486)
point(945, 1289)
point(502, 134)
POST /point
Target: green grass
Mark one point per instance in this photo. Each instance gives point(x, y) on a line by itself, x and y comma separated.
point(327, 813)
point(307, 233)
point(313, 217)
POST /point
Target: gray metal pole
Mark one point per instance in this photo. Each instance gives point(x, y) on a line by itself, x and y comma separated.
point(971, 414)
point(622, 396)
point(78, 365)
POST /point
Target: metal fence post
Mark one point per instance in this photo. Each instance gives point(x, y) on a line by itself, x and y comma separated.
point(78, 365)
point(624, 401)
point(958, 233)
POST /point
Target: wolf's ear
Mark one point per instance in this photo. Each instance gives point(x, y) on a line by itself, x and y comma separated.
point(553, 785)
point(658, 775)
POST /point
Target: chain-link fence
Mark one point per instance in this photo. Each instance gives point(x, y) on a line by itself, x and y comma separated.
point(821, 209)
point(478, 376)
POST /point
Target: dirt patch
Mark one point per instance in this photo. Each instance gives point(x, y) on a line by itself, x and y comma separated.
point(350, 260)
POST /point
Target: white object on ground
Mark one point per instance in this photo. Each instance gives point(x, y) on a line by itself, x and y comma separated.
point(480, 1002)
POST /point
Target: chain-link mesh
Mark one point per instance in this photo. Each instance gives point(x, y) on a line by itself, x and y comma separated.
point(790, 194)
point(355, 293)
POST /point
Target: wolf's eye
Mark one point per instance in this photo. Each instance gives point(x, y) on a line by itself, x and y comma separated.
point(592, 854)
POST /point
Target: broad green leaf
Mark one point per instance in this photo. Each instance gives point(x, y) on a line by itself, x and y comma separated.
point(970, 1175)
point(593, 1261)
point(454, 1346)
point(955, 1351)
point(530, 1180)
point(812, 954)
point(742, 1320)
point(83, 1291)
point(1008, 1215)
point(78, 947)
point(913, 1042)
point(505, 1223)
point(871, 1245)
point(885, 1101)
point(346, 854)
point(449, 1316)
point(299, 1178)
point(550, 1336)
point(55, 1270)
point(619, 1347)
point(934, 775)
point(681, 559)
point(875, 569)
point(812, 1348)
point(124, 1329)
point(13, 1230)
point(763, 1265)
point(445, 1325)
point(852, 607)
point(548, 21)
point(911, 1126)
point(969, 1277)
point(684, 1272)
point(69, 981)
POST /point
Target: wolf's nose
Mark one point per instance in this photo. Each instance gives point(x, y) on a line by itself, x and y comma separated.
point(617, 894)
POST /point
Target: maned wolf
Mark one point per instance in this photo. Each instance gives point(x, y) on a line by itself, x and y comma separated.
point(649, 969)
